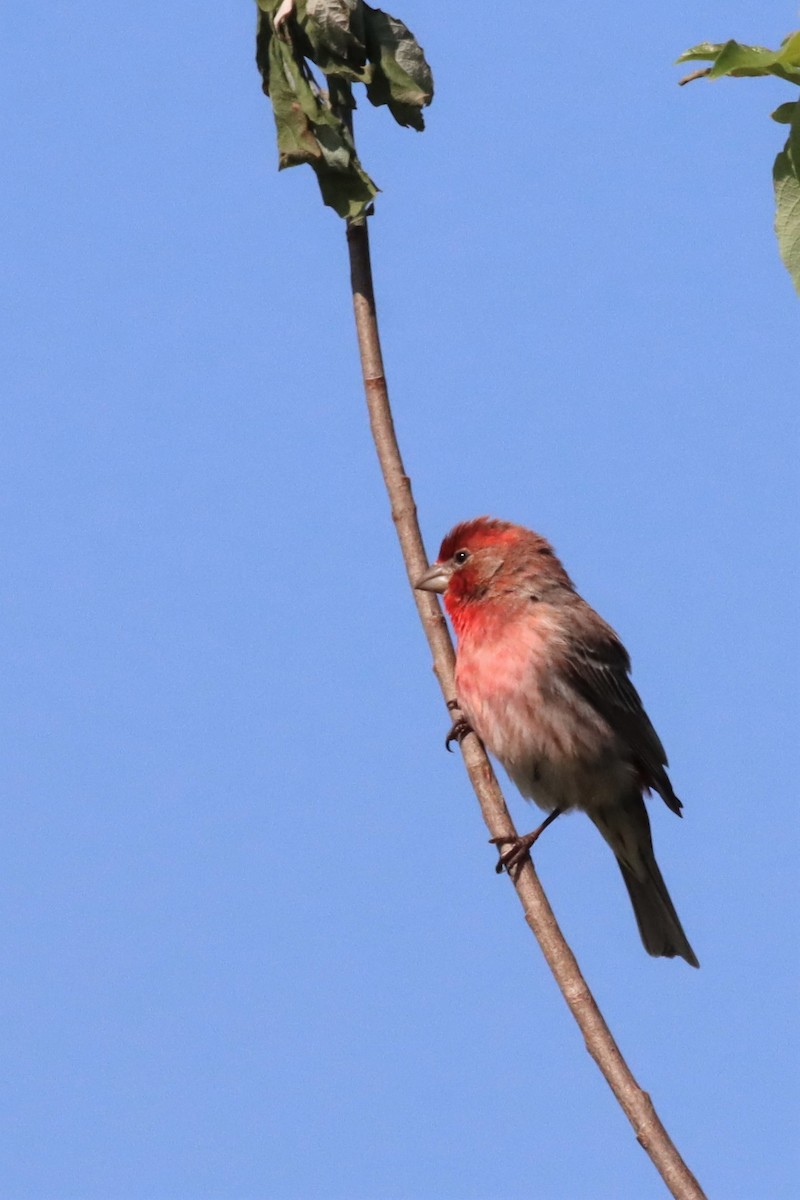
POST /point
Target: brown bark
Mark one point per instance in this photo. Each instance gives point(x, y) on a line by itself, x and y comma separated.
point(636, 1104)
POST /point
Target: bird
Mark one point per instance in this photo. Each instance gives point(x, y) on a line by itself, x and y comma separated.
point(545, 683)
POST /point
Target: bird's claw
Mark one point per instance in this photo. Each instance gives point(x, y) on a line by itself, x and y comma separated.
point(458, 731)
point(512, 859)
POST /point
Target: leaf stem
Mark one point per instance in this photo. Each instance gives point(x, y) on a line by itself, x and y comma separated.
point(695, 75)
point(636, 1104)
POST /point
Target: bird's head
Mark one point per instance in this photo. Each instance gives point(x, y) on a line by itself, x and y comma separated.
point(484, 561)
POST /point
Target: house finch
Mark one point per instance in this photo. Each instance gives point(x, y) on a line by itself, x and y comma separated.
point(543, 681)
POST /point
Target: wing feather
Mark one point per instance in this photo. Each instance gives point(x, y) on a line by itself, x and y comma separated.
point(598, 668)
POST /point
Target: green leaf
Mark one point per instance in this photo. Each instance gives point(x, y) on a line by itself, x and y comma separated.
point(734, 57)
point(737, 59)
point(338, 23)
point(335, 33)
point(790, 50)
point(308, 128)
point(703, 53)
point(734, 52)
point(349, 42)
point(786, 177)
point(401, 77)
point(784, 113)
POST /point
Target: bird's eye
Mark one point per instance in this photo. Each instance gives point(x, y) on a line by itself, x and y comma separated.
point(460, 557)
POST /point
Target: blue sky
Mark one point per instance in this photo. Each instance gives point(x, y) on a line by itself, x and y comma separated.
point(254, 945)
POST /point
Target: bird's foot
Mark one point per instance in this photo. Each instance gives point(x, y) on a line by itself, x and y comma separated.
point(518, 847)
point(512, 859)
point(458, 731)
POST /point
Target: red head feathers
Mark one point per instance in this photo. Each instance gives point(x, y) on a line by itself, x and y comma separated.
point(484, 562)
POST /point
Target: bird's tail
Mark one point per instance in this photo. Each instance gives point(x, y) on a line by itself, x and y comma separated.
point(626, 828)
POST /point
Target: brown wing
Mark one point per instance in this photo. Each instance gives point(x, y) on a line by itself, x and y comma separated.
point(598, 669)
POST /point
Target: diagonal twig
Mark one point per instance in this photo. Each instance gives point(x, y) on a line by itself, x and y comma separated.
point(694, 75)
point(600, 1043)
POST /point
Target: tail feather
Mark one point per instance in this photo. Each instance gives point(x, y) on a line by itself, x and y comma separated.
point(626, 828)
point(659, 925)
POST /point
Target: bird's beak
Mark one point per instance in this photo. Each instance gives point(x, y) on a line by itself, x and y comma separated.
point(435, 579)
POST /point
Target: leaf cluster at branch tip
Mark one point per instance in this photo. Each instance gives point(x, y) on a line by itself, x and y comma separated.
point(735, 59)
point(349, 42)
point(786, 178)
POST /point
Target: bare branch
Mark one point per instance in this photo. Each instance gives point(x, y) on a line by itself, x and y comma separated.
point(694, 75)
point(636, 1104)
